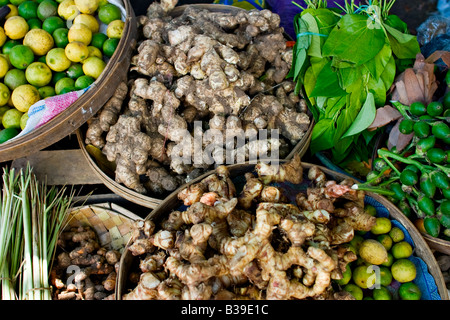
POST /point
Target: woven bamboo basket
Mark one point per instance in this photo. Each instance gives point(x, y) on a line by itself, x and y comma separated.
point(86, 106)
point(111, 222)
point(172, 203)
point(437, 244)
point(147, 200)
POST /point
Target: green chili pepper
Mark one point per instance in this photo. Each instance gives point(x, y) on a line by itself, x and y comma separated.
point(413, 168)
point(426, 205)
point(404, 207)
point(406, 126)
point(432, 226)
point(440, 130)
point(399, 194)
point(408, 177)
point(417, 108)
point(435, 108)
point(423, 145)
point(440, 180)
point(379, 165)
point(427, 186)
point(421, 129)
point(436, 155)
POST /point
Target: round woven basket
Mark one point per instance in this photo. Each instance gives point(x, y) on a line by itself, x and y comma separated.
point(172, 203)
point(147, 200)
point(437, 244)
point(86, 106)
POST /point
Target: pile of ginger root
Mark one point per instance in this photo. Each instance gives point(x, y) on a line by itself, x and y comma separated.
point(226, 71)
point(83, 269)
point(258, 243)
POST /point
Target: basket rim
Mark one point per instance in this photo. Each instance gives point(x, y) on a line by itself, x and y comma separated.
point(416, 236)
point(44, 136)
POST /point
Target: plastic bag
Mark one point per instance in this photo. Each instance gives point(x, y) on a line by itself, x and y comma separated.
point(244, 4)
point(434, 26)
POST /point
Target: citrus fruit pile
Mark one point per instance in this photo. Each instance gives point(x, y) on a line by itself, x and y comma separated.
point(51, 47)
point(383, 270)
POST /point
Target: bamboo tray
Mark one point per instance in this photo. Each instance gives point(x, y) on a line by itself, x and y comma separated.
point(146, 200)
point(86, 106)
point(172, 202)
point(437, 244)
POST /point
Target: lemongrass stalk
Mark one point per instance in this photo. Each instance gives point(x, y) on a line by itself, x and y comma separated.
point(27, 280)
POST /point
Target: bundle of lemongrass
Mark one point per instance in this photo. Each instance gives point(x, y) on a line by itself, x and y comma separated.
point(31, 218)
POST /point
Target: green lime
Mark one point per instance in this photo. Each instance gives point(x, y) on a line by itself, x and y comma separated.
point(47, 8)
point(75, 71)
point(34, 23)
point(109, 46)
point(3, 109)
point(396, 234)
point(403, 270)
point(64, 83)
point(370, 210)
point(11, 118)
point(67, 89)
point(382, 293)
point(60, 37)
point(4, 2)
point(7, 134)
point(385, 276)
point(389, 261)
point(354, 290)
point(57, 76)
point(42, 59)
point(418, 109)
point(9, 44)
point(346, 276)
point(46, 91)
point(50, 24)
point(28, 9)
point(38, 74)
point(84, 82)
point(21, 56)
point(409, 291)
point(108, 13)
point(98, 39)
point(23, 120)
point(14, 78)
point(16, 2)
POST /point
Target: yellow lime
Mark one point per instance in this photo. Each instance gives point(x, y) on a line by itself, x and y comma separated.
point(23, 120)
point(364, 276)
point(39, 40)
point(14, 78)
point(115, 29)
point(67, 10)
point(382, 225)
point(16, 27)
point(38, 74)
point(4, 94)
point(80, 32)
point(76, 51)
point(47, 8)
point(93, 67)
point(88, 20)
point(11, 119)
point(24, 96)
point(390, 260)
point(403, 270)
point(385, 240)
point(87, 6)
point(46, 91)
point(396, 234)
point(373, 252)
point(3, 37)
point(63, 83)
point(57, 60)
point(109, 12)
point(94, 52)
point(14, 11)
point(21, 56)
point(4, 66)
point(401, 250)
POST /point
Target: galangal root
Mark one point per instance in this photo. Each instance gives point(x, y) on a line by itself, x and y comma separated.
point(252, 244)
point(226, 71)
point(83, 269)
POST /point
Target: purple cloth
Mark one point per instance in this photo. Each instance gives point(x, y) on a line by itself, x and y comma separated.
point(287, 11)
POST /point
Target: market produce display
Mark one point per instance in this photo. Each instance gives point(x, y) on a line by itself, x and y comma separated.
point(416, 175)
point(199, 74)
point(383, 270)
point(345, 61)
point(230, 244)
point(50, 48)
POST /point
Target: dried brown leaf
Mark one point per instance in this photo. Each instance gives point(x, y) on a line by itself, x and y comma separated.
point(384, 116)
point(398, 139)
